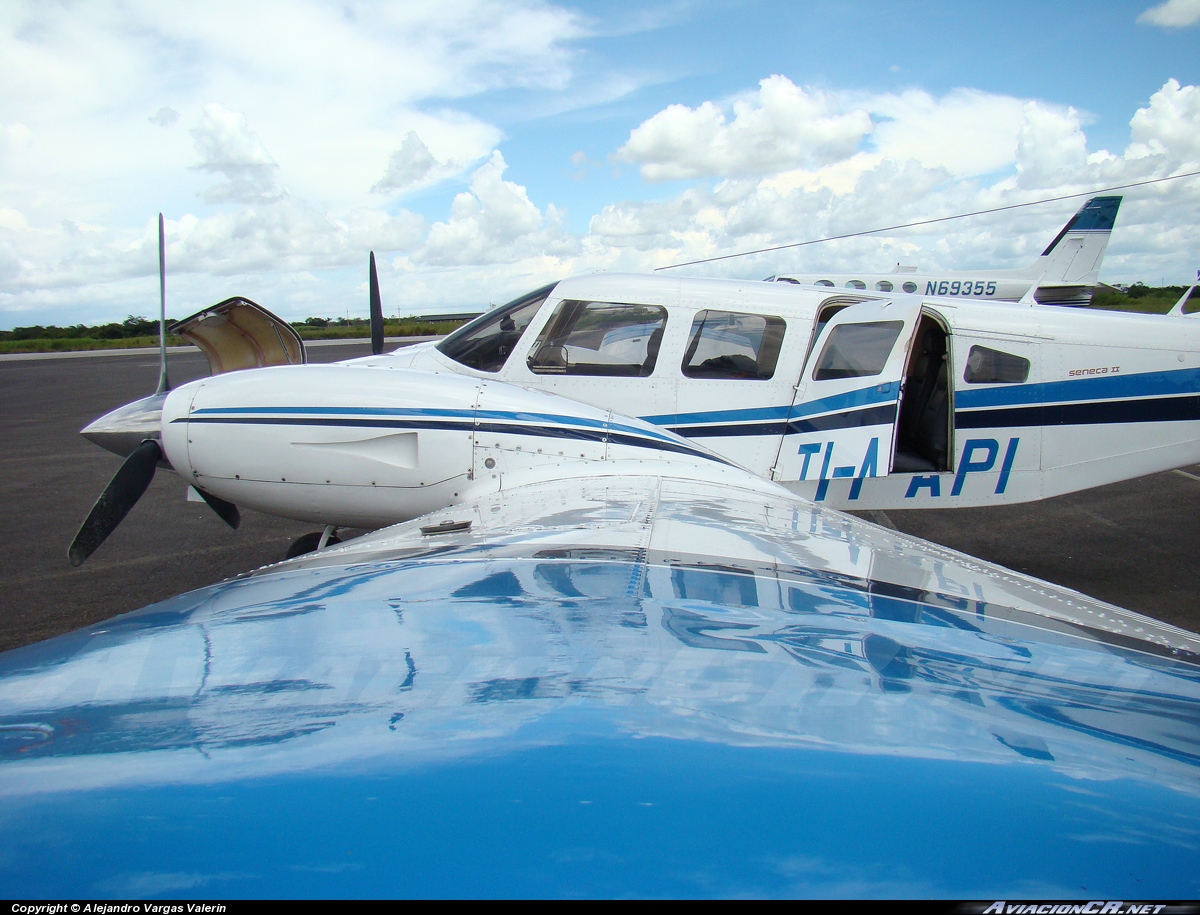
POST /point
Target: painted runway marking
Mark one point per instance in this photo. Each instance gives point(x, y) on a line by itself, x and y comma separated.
point(1190, 476)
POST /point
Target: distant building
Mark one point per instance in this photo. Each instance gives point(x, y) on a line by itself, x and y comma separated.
point(459, 316)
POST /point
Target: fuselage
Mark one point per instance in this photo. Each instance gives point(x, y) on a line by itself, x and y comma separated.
point(854, 400)
point(1032, 402)
point(989, 285)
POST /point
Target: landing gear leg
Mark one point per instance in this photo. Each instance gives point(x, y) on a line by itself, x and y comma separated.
point(317, 540)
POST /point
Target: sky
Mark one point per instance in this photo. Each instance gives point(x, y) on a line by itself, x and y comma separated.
point(482, 149)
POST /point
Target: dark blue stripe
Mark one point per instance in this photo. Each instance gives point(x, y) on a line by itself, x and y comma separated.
point(336, 411)
point(599, 435)
point(1158, 410)
point(872, 416)
point(1097, 215)
point(564, 432)
point(861, 397)
point(363, 422)
point(430, 413)
point(850, 419)
point(730, 430)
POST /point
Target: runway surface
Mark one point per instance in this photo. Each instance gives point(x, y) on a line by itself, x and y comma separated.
point(1131, 543)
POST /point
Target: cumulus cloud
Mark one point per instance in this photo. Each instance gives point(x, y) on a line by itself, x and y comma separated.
point(1051, 144)
point(781, 126)
point(164, 117)
point(410, 165)
point(493, 222)
point(966, 131)
point(841, 134)
point(228, 146)
point(1169, 124)
point(1025, 149)
point(287, 138)
point(14, 136)
point(415, 165)
point(287, 235)
point(1174, 14)
point(332, 95)
point(299, 147)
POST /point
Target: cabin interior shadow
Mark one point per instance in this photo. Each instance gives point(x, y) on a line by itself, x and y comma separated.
point(923, 426)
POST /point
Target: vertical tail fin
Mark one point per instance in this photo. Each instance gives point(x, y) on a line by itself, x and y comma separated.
point(1074, 257)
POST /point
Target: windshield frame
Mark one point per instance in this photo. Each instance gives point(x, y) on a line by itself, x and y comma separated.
point(452, 346)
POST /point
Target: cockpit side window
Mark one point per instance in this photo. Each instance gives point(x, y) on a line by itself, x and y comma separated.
point(724, 344)
point(857, 350)
point(599, 338)
point(991, 366)
point(486, 342)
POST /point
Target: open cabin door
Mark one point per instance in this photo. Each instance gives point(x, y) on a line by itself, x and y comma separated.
point(841, 428)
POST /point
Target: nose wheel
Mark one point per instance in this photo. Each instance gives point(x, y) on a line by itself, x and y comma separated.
point(311, 543)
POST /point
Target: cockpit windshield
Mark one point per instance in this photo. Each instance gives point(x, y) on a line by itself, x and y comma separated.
point(486, 342)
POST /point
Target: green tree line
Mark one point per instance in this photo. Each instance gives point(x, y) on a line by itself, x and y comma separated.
point(1143, 298)
point(138, 331)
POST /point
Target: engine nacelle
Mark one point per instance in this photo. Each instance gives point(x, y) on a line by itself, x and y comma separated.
point(330, 444)
point(365, 446)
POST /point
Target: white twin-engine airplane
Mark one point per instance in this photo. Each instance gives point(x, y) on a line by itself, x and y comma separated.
point(607, 637)
point(1064, 274)
point(853, 399)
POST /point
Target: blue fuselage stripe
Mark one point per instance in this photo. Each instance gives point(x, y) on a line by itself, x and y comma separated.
point(879, 393)
point(425, 414)
point(614, 435)
point(1105, 387)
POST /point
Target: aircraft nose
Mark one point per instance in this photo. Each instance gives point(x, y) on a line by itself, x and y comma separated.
point(125, 428)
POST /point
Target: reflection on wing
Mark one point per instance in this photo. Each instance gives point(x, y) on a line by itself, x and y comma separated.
point(769, 649)
point(799, 589)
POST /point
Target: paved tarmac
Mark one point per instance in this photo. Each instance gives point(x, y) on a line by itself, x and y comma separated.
point(1132, 543)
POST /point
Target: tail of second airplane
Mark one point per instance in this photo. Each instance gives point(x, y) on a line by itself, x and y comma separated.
point(1070, 265)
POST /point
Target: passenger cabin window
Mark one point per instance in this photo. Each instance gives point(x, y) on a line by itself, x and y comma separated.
point(883, 286)
point(857, 350)
point(910, 287)
point(991, 366)
point(599, 338)
point(485, 343)
point(824, 283)
point(855, 284)
point(725, 344)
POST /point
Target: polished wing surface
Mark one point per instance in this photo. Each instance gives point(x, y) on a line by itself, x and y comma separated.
point(649, 680)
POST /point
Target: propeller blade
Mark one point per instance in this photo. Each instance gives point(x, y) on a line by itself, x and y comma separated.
point(376, 312)
point(164, 383)
point(227, 511)
point(121, 494)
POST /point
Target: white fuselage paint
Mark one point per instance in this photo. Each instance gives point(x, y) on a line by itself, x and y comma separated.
point(1108, 396)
